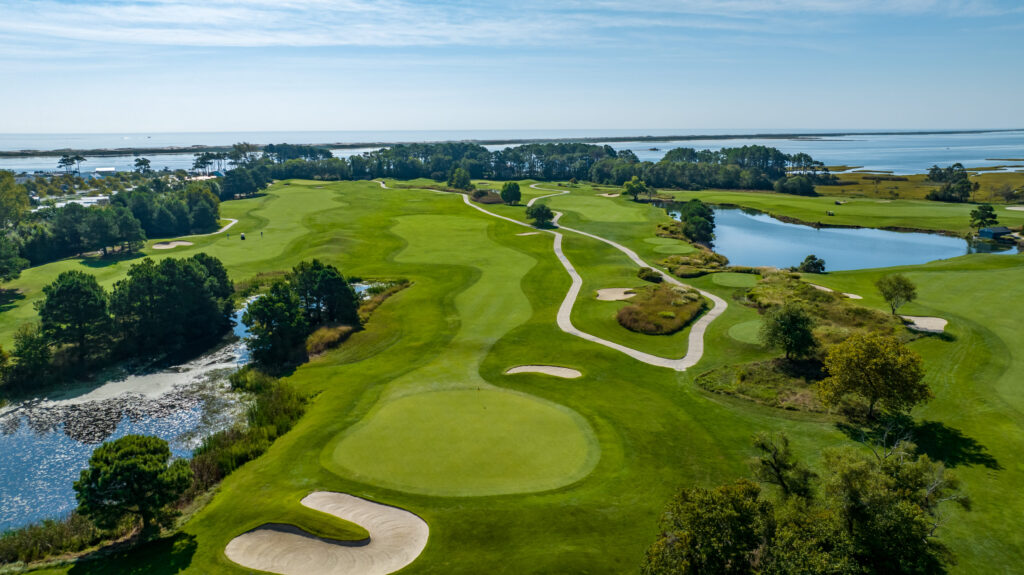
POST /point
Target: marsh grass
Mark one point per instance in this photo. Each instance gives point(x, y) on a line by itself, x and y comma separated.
point(661, 310)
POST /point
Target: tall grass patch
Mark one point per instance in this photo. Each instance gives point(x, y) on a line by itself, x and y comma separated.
point(662, 309)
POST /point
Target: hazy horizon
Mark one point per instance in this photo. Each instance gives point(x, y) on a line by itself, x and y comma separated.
point(139, 66)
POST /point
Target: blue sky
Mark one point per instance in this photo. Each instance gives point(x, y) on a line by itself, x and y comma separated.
point(205, 65)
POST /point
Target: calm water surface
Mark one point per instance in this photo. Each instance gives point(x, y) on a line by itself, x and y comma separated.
point(756, 239)
point(46, 442)
point(899, 153)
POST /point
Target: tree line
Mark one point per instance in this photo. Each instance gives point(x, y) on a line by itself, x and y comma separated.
point(158, 308)
point(152, 209)
point(746, 167)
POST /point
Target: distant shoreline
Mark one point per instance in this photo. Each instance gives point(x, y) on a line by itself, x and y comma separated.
point(152, 151)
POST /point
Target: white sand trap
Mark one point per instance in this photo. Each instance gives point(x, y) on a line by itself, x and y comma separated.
point(615, 294)
point(566, 372)
point(609, 195)
point(925, 323)
point(169, 245)
point(830, 290)
point(397, 537)
point(528, 234)
point(1016, 208)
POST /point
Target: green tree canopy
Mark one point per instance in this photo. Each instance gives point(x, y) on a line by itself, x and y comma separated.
point(277, 324)
point(634, 187)
point(879, 368)
point(711, 532)
point(74, 310)
point(983, 216)
point(132, 476)
point(460, 180)
point(897, 290)
point(324, 294)
point(812, 264)
point(510, 193)
point(14, 202)
point(541, 214)
point(789, 327)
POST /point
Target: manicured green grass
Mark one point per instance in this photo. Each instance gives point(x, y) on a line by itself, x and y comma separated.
point(905, 214)
point(468, 443)
point(747, 332)
point(482, 300)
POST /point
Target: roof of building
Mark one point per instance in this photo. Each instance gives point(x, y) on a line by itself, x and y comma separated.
point(997, 230)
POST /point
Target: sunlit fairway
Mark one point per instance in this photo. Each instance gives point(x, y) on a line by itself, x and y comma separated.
point(531, 473)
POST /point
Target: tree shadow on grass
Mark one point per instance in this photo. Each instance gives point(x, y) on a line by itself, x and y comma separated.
point(104, 261)
point(9, 298)
point(161, 557)
point(935, 439)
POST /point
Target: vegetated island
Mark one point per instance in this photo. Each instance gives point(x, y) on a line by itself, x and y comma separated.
point(495, 142)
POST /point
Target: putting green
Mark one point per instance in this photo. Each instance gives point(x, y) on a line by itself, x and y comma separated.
point(733, 279)
point(467, 443)
point(747, 332)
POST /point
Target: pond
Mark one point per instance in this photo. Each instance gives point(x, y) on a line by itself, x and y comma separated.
point(46, 442)
point(750, 238)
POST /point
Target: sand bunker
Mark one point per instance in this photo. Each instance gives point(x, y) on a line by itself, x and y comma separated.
point(566, 372)
point(615, 294)
point(925, 323)
point(609, 195)
point(169, 245)
point(528, 234)
point(397, 537)
point(1016, 208)
point(830, 290)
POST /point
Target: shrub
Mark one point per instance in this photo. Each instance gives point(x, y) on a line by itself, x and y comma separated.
point(276, 408)
point(51, 537)
point(649, 275)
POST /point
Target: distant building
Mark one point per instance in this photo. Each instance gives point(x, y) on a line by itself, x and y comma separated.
point(994, 233)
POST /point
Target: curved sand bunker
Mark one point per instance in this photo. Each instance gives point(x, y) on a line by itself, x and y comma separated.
point(615, 294)
point(169, 245)
point(566, 372)
point(823, 288)
point(1016, 208)
point(609, 195)
point(397, 537)
point(925, 323)
point(528, 234)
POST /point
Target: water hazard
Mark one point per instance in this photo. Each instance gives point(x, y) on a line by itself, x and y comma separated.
point(46, 442)
point(755, 239)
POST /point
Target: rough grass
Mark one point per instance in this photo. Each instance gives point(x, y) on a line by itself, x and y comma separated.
point(775, 383)
point(661, 310)
point(327, 337)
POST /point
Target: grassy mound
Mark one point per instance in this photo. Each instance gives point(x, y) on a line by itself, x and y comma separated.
point(661, 310)
point(468, 442)
point(696, 264)
point(835, 316)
